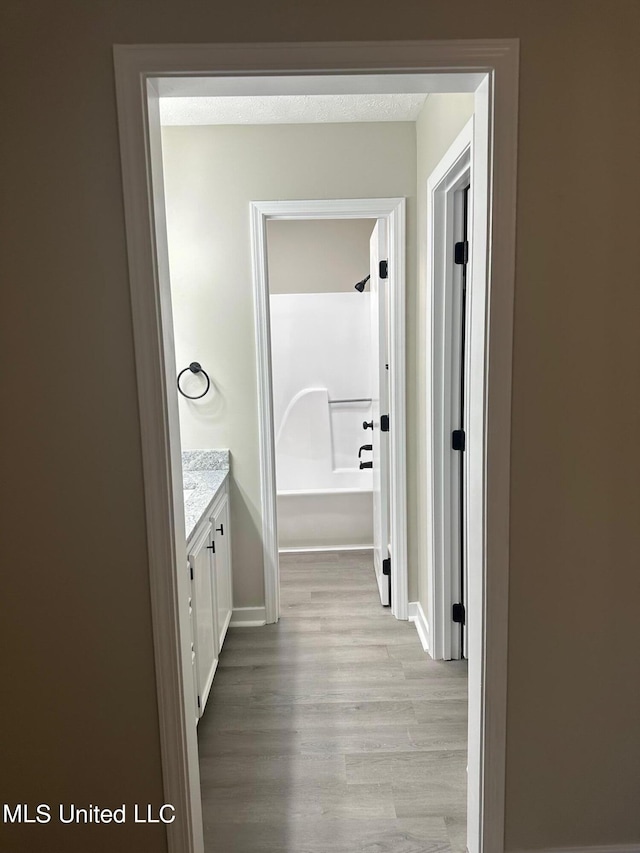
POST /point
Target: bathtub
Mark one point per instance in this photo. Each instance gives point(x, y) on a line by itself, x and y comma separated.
point(325, 519)
point(324, 500)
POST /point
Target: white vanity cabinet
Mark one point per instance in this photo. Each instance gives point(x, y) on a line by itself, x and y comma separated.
point(203, 613)
point(222, 560)
point(210, 602)
point(192, 642)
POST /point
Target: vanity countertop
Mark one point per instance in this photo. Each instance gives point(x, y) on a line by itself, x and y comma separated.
point(204, 473)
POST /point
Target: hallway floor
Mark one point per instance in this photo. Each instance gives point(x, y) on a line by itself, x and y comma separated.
point(333, 731)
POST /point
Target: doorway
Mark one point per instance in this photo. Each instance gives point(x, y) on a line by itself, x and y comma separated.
point(387, 427)
point(491, 72)
point(324, 353)
point(452, 325)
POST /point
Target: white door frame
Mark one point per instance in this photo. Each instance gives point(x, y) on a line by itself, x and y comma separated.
point(441, 471)
point(490, 69)
point(393, 211)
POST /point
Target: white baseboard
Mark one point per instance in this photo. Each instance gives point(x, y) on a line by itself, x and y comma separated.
point(596, 848)
point(248, 617)
point(416, 615)
point(322, 548)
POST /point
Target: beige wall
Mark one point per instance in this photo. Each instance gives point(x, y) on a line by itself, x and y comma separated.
point(440, 121)
point(79, 719)
point(211, 175)
point(317, 256)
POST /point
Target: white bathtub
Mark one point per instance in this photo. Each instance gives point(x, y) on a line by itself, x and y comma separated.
point(325, 519)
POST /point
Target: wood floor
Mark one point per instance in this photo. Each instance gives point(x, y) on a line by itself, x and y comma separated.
point(333, 731)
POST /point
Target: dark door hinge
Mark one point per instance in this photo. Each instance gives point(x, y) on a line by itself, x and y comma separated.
point(384, 423)
point(458, 439)
point(458, 614)
point(386, 566)
point(191, 571)
point(212, 547)
point(461, 252)
point(383, 269)
point(198, 701)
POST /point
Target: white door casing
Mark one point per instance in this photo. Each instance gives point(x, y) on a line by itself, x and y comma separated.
point(445, 371)
point(379, 407)
point(487, 67)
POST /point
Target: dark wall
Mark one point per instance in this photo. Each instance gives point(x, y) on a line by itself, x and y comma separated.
point(79, 720)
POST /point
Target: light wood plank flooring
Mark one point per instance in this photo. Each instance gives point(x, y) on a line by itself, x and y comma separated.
point(332, 731)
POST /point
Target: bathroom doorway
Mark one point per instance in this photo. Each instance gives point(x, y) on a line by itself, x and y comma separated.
point(329, 341)
point(331, 371)
point(320, 356)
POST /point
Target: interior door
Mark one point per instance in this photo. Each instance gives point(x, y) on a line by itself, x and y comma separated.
point(460, 253)
point(379, 283)
point(464, 322)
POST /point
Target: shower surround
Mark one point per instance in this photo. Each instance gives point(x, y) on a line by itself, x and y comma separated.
point(321, 357)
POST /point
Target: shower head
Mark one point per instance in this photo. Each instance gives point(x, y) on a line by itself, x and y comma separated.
point(360, 285)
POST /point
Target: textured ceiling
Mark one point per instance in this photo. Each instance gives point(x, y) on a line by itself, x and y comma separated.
point(291, 109)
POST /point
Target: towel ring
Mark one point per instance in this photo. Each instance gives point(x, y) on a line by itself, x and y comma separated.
point(194, 367)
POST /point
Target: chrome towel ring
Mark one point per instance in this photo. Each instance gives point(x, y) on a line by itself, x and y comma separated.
point(194, 367)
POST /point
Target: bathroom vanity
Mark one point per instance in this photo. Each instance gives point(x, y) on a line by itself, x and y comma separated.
point(206, 492)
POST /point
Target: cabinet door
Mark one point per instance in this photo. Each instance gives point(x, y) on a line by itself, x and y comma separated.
point(192, 636)
point(222, 572)
point(205, 616)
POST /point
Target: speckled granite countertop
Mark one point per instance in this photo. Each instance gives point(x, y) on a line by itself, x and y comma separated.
point(204, 472)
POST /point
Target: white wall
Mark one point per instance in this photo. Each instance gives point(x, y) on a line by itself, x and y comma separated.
point(440, 121)
point(211, 175)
